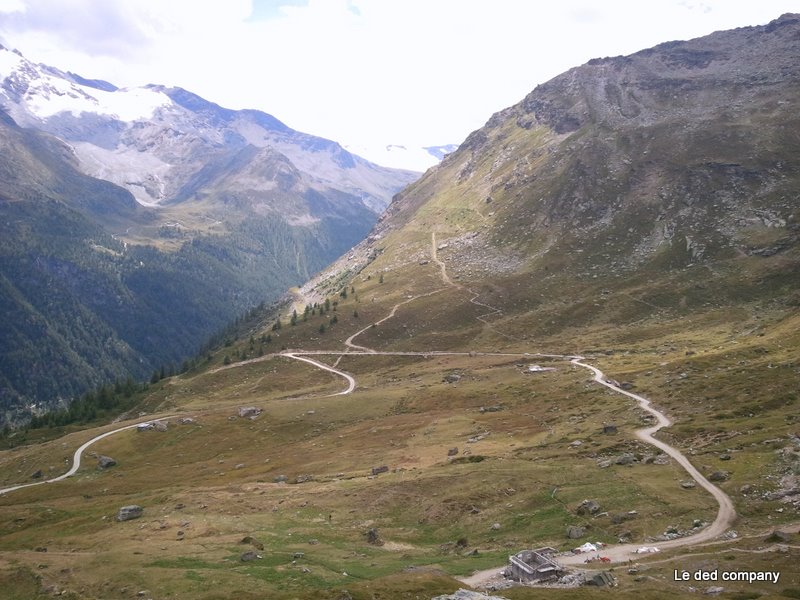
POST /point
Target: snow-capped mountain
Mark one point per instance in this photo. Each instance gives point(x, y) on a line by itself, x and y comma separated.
point(166, 144)
point(136, 222)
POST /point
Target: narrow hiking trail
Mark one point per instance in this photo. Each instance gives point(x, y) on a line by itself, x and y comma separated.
point(493, 311)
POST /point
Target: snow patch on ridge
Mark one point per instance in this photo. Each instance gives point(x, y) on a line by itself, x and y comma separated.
point(128, 104)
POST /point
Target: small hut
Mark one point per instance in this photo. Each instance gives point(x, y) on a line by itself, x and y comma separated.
point(534, 566)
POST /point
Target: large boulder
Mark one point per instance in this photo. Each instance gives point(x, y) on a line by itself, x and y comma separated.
point(249, 555)
point(588, 507)
point(126, 513)
point(249, 412)
point(574, 532)
point(104, 462)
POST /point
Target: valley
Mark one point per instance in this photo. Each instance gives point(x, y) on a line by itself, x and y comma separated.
point(321, 441)
point(581, 326)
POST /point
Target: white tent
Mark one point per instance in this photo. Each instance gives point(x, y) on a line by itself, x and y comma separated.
point(587, 547)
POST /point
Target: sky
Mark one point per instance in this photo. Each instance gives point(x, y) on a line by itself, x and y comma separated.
point(366, 73)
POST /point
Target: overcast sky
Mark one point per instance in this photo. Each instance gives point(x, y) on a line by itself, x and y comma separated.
point(363, 72)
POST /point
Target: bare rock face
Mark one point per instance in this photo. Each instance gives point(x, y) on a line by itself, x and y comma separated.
point(127, 513)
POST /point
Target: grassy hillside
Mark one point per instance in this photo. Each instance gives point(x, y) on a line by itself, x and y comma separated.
point(581, 221)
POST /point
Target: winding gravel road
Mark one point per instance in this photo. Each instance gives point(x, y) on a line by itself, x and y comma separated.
point(726, 513)
point(76, 458)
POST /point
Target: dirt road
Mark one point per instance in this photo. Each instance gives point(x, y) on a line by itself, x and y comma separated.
point(76, 458)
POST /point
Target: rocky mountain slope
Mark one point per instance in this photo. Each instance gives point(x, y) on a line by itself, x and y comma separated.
point(675, 163)
point(138, 222)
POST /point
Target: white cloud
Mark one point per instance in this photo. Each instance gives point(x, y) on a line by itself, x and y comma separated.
point(363, 72)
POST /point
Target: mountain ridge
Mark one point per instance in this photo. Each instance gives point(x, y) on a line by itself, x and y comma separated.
point(185, 215)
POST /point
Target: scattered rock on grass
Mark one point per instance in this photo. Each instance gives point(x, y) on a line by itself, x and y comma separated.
point(590, 507)
point(249, 412)
point(373, 537)
point(104, 462)
point(574, 532)
point(132, 511)
point(249, 555)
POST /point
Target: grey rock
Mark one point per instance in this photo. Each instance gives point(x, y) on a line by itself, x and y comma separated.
point(778, 536)
point(609, 429)
point(714, 590)
point(249, 412)
point(590, 507)
point(104, 462)
point(132, 511)
point(719, 476)
point(249, 556)
point(452, 452)
point(618, 518)
point(379, 470)
point(625, 459)
point(574, 532)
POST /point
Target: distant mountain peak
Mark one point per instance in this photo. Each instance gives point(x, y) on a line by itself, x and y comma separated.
point(158, 141)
